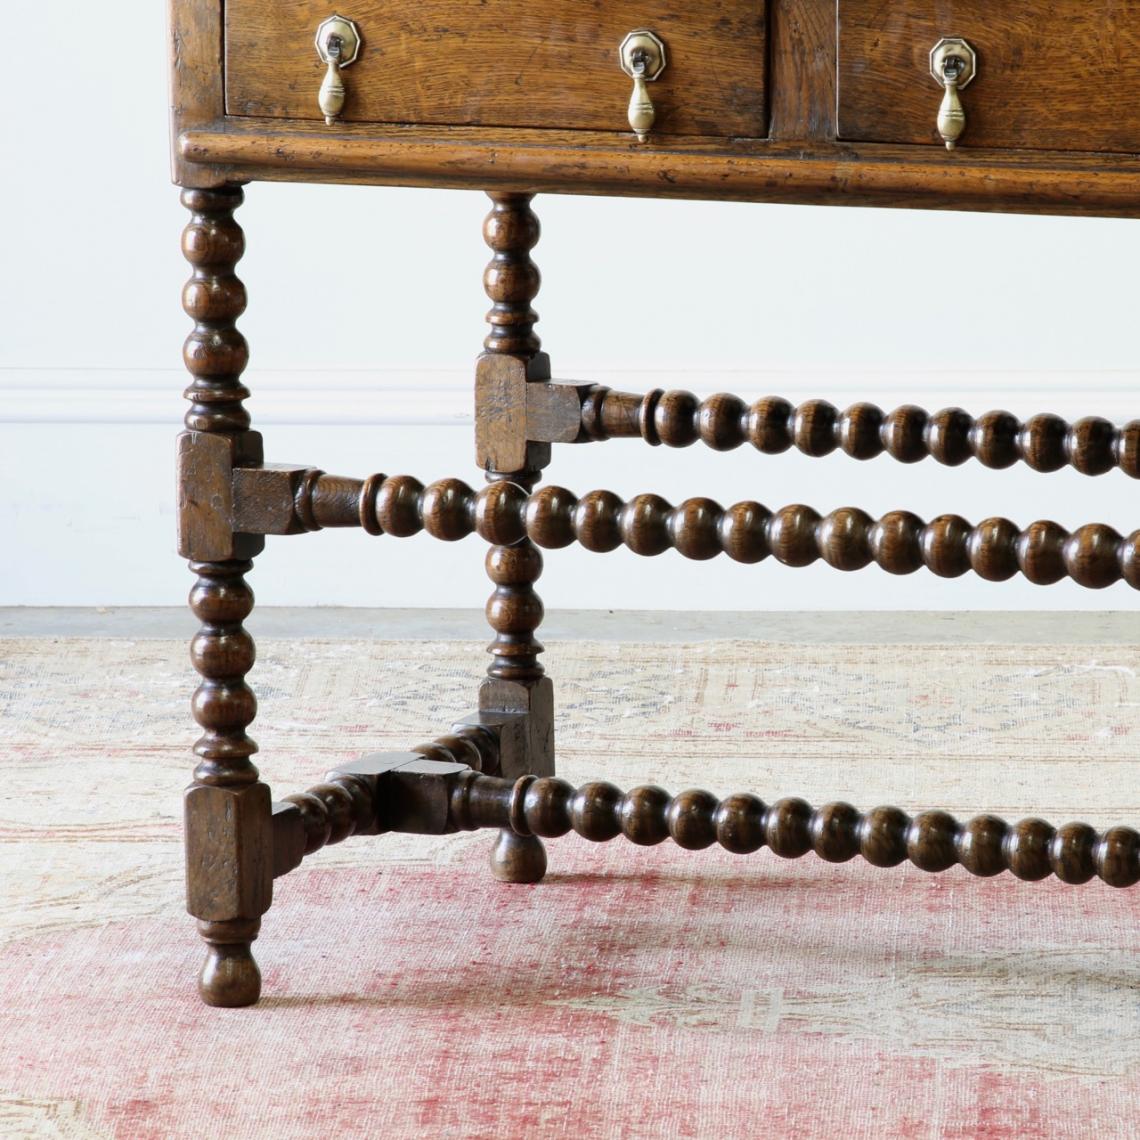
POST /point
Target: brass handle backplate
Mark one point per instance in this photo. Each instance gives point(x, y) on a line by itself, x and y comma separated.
point(338, 45)
point(642, 56)
point(953, 63)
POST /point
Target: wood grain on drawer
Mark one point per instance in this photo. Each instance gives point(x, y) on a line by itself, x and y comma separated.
point(1058, 76)
point(466, 62)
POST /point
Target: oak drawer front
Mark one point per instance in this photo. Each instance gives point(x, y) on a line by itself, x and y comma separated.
point(1058, 76)
point(504, 63)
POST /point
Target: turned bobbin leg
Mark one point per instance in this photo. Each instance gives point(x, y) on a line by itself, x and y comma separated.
point(229, 868)
point(516, 680)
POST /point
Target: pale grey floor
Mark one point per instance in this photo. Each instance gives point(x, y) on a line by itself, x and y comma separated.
point(981, 628)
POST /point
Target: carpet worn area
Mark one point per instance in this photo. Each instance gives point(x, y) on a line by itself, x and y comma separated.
point(637, 992)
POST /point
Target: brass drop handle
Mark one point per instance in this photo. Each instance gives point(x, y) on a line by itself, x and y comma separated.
point(338, 45)
point(953, 63)
point(642, 56)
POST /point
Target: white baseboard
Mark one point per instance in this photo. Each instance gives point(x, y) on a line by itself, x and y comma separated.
point(410, 397)
point(340, 397)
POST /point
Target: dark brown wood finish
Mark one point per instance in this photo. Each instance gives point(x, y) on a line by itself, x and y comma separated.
point(580, 162)
point(516, 680)
point(402, 792)
point(229, 860)
point(1056, 76)
point(933, 841)
point(515, 99)
point(802, 38)
point(1040, 168)
point(196, 96)
point(1093, 556)
point(1092, 446)
point(507, 64)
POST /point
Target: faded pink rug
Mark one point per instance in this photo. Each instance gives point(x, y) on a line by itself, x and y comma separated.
point(636, 993)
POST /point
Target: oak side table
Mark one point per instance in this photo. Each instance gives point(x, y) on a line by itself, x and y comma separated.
point(964, 104)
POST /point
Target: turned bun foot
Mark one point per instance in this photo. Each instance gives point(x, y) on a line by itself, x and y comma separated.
point(230, 977)
point(518, 858)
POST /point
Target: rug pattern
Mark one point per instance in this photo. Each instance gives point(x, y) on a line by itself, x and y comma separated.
point(636, 993)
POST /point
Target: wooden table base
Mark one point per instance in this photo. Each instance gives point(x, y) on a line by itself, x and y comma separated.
point(495, 768)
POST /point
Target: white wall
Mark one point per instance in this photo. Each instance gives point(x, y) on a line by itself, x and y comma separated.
point(1029, 313)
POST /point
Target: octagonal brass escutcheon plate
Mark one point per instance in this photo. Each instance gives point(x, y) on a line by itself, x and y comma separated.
point(347, 32)
point(653, 48)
